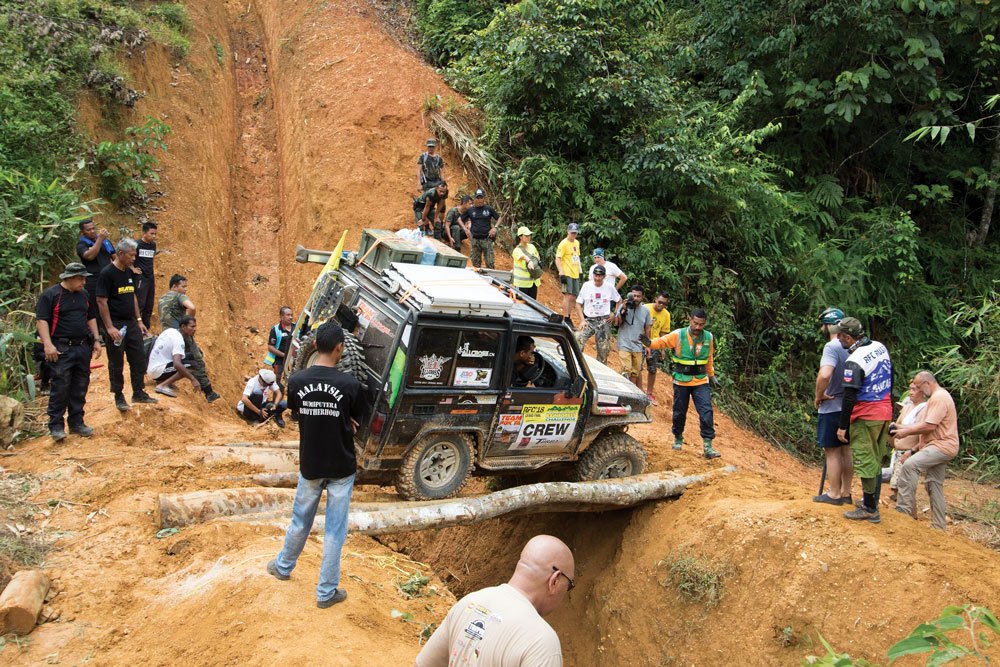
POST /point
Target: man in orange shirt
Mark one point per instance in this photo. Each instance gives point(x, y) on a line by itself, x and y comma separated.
point(692, 351)
point(938, 444)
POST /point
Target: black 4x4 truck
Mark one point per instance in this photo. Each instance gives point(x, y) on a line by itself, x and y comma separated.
point(434, 348)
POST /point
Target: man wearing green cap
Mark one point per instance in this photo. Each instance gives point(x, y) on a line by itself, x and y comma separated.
point(527, 267)
point(430, 167)
point(68, 330)
point(866, 412)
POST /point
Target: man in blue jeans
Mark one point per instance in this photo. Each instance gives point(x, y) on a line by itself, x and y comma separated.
point(328, 405)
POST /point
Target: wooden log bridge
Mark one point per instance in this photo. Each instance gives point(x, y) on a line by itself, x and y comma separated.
point(176, 510)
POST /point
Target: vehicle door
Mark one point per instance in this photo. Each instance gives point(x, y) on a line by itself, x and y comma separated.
point(543, 414)
point(450, 381)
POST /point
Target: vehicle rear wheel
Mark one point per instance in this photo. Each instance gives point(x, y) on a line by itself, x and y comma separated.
point(611, 455)
point(436, 467)
point(351, 362)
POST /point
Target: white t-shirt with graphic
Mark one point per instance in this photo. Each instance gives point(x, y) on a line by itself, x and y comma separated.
point(596, 301)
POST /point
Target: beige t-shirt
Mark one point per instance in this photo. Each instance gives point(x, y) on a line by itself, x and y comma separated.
point(941, 412)
point(494, 627)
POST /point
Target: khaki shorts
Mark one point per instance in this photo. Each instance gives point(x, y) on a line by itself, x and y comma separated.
point(631, 362)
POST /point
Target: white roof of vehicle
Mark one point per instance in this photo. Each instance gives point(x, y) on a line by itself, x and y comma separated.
point(447, 289)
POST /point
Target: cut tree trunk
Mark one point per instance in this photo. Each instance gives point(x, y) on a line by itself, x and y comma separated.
point(386, 518)
point(284, 480)
point(271, 459)
point(22, 601)
point(266, 444)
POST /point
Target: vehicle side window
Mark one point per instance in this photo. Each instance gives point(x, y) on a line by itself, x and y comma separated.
point(452, 358)
point(540, 362)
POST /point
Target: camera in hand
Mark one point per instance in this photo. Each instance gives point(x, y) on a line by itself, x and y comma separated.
point(632, 301)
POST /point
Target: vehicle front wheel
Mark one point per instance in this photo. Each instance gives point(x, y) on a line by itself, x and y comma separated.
point(436, 467)
point(611, 455)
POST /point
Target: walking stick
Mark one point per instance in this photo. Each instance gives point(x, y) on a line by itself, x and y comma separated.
point(822, 479)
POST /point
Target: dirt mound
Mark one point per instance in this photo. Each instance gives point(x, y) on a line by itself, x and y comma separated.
point(294, 121)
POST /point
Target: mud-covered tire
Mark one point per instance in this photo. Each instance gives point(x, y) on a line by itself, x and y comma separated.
point(610, 456)
point(436, 467)
point(351, 362)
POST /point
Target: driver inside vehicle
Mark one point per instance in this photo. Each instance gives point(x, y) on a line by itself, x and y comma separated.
point(529, 368)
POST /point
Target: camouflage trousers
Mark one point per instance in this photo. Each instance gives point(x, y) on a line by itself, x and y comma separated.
point(197, 364)
point(482, 248)
point(601, 329)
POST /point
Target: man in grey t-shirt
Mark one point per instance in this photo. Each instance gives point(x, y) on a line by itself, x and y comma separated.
point(828, 400)
point(633, 321)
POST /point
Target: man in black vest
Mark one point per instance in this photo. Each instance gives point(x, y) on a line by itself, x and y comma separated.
point(69, 340)
point(124, 329)
point(146, 291)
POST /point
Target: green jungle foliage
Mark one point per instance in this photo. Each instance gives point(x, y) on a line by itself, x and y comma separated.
point(52, 51)
point(765, 161)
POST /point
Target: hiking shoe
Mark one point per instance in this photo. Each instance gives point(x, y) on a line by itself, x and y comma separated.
point(824, 498)
point(143, 397)
point(711, 453)
point(272, 569)
point(652, 399)
point(82, 429)
point(120, 402)
point(677, 445)
point(58, 434)
point(166, 391)
point(863, 514)
point(280, 421)
point(212, 397)
point(339, 595)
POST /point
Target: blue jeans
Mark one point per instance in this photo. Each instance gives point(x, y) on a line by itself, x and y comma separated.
point(702, 395)
point(307, 495)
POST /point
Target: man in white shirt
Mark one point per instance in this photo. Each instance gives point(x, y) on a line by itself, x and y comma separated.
point(614, 274)
point(503, 626)
point(169, 360)
point(262, 398)
point(594, 306)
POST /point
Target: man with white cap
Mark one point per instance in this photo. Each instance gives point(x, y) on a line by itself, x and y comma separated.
point(262, 398)
point(527, 265)
point(613, 274)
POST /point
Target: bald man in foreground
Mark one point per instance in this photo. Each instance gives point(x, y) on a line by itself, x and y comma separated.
point(502, 626)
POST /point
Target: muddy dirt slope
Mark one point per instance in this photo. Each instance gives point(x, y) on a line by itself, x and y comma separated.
point(294, 121)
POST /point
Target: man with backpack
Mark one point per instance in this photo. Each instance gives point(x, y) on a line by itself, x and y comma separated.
point(430, 167)
point(68, 331)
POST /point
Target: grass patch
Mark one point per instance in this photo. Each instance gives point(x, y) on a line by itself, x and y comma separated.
point(220, 51)
point(696, 579)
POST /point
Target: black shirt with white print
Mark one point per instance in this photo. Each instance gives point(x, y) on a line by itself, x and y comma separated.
point(325, 401)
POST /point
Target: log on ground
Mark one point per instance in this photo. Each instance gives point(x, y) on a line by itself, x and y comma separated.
point(385, 518)
point(22, 600)
point(270, 459)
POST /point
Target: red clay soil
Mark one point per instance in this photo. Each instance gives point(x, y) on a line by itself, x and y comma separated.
point(310, 126)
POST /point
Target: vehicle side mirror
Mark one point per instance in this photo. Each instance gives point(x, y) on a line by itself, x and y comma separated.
point(576, 388)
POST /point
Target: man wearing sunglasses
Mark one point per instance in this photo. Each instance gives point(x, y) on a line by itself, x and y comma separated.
point(503, 625)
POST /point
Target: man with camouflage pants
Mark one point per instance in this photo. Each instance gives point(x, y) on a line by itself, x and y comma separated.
point(170, 308)
point(482, 220)
point(594, 306)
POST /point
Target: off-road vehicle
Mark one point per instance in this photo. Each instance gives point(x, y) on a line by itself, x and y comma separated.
point(434, 348)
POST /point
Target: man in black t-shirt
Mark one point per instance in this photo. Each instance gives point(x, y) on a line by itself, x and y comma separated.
point(95, 251)
point(482, 220)
point(278, 341)
point(146, 290)
point(124, 329)
point(329, 406)
point(69, 340)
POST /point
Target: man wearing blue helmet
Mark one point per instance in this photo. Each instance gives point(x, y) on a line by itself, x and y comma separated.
point(828, 402)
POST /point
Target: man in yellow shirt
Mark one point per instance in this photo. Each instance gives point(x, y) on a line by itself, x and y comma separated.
point(692, 353)
point(661, 327)
point(568, 266)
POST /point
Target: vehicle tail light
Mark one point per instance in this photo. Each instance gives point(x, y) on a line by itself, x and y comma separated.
point(378, 421)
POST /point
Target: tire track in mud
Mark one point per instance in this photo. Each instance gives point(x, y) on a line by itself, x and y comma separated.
point(256, 177)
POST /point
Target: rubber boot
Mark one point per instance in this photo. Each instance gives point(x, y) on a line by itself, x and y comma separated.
point(710, 453)
point(678, 443)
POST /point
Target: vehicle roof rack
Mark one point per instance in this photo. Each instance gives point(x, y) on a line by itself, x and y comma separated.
point(446, 290)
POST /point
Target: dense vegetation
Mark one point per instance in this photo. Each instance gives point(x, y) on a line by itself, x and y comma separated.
point(51, 174)
point(765, 161)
